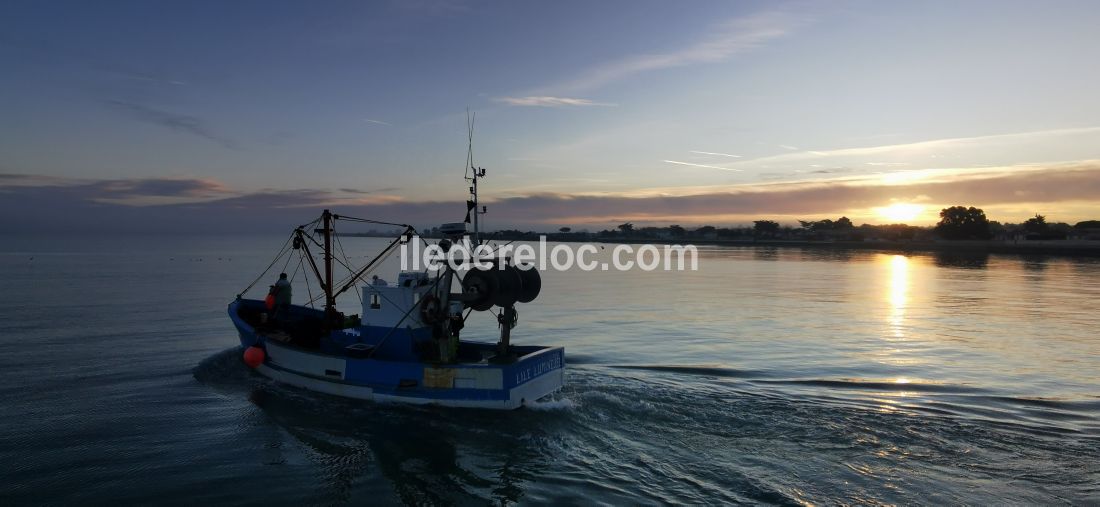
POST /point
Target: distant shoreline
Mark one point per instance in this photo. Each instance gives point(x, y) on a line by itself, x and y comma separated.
point(1053, 247)
point(1069, 248)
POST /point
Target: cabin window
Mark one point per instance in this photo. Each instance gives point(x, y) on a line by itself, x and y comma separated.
point(374, 302)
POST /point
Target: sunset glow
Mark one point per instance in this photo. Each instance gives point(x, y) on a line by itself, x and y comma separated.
point(900, 212)
point(370, 116)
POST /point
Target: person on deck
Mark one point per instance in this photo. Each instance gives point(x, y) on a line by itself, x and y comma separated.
point(378, 281)
point(283, 293)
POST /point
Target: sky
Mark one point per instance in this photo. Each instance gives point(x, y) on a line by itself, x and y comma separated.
point(248, 115)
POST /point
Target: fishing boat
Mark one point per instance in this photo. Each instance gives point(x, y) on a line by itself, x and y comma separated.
point(407, 344)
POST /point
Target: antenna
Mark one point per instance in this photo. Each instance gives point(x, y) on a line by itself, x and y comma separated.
point(470, 139)
point(472, 175)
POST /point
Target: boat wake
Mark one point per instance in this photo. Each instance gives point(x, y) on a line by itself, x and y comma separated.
point(224, 370)
point(559, 404)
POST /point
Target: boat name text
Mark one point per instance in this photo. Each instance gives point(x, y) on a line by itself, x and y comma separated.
point(530, 372)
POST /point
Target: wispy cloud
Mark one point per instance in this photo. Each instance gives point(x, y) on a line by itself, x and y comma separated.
point(547, 101)
point(49, 51)
point(904, 149)
point(887, 164)
point(190, 205)
point(162, 187)
point(730, 38)
point(157, 191)
point(700, 165)
point(716, 154)
point(366, 192)
point(146, 77)
point(432, 7)
point(377, 122)
point(183, 123)
point(14, 179)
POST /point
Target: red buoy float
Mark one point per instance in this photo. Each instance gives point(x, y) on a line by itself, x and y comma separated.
point(254, 356)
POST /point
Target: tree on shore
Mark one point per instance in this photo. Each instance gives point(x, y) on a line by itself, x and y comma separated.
point(1036, 225)
point(841, 224)
point(627, 228)
point(817, 225)
point(765, 228)
point(565, 230)
point(960, 222)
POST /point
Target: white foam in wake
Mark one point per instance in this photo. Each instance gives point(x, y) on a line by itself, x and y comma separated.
point(559, 404)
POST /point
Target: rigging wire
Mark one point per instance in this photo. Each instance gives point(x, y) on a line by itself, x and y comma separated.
point(309, 291)
point(347, 278)
point(373, 264)
point(294, 275)
point(282, 251)
point(310, 224)
point(287, 263)
point(369, 221)
point(308, 231)
point(351, 278)
point(403, 317)
point(344, 253)
point(470, 138)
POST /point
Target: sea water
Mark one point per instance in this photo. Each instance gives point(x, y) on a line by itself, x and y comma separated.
point(767, 376)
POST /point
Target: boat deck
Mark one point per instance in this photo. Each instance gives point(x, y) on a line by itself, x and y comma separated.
point(303, 328)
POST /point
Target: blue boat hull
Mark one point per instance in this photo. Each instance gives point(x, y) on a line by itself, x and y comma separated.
point(394, 374)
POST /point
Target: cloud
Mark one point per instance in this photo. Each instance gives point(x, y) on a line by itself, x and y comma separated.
point(432, 7)
point(162, 187)
point(205, 205)
point(730, 38)
point(14, 179)
point(1074, 183)
point(48, 51)
point(914, 147)
point(727, 39)
point(377, 122)
point(715, 154)
point(132, 75)
point(366, 192)
point(700, 165)
point(177, 122)
point(545, 101)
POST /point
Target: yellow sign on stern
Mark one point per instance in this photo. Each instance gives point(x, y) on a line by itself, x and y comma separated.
point(439, 378)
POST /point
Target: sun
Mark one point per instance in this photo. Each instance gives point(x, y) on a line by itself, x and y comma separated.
point(900, 212)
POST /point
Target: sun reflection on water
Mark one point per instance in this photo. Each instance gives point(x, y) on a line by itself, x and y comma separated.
point(898, 294)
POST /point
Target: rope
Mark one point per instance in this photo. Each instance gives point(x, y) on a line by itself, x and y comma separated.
point(282, 251)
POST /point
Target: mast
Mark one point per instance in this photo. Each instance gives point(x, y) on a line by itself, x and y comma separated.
point(473, 173)
point(473, 193)
point(330, 299)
